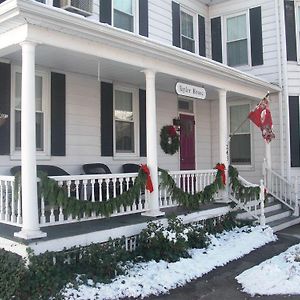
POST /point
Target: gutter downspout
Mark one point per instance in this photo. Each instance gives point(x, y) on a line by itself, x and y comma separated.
point(285, 96)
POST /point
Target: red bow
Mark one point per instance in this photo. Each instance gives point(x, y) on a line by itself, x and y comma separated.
point(149, 185)
point(172, 131)
point(221, 168)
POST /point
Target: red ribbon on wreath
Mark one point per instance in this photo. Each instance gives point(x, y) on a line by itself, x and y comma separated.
point(149, 185)
point(172, 131)
point(221, 168)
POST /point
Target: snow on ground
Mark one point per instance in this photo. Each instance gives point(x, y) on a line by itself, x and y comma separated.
point(278, 275)
point(152, 278)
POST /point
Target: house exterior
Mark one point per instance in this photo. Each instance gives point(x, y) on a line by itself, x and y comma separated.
point(97, 81)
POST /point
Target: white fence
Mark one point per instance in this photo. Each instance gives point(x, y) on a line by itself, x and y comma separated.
point(10, 202)
point(193, 181)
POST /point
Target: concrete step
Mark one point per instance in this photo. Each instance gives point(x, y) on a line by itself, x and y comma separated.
point(273, 206)
point(277, 215)
point(284, 223)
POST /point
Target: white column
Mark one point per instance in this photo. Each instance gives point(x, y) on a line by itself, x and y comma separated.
point(153, 199)
point(30, 214)
point(223, 134)
point(268, 155)
point(223, 138)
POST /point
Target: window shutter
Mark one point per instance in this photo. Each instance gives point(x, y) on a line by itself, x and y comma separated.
point(294, 130)
point(58, 114)
point(201, 30)
point(290, 30)
point(56, 3)
point(143, 17)
point(5, 82)
point(106, 119)
point(143, 133)
point(105, 11)
point(216, 39)
point(256, 37)
point(176, 23)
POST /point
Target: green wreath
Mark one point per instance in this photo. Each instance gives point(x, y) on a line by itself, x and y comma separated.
point(169, 139)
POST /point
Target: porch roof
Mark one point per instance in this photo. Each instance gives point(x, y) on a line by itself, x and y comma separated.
point(29, 20)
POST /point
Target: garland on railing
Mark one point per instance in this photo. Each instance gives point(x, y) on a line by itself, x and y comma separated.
point(56, 195)
point(187, 200)
point(242, 192)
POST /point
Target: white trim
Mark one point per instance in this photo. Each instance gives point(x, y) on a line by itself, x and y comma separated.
point(297, 29)
point(45, 154)
point(225, 18)
point(136, 121)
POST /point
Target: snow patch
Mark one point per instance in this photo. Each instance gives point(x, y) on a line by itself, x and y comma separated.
point(278, 275)
point(154, 278)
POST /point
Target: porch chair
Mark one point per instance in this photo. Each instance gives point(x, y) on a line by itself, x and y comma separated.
point(130, 168)
point(100, 168)
point(49, 170)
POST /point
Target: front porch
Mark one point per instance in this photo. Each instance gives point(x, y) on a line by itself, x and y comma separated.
point(81, 69)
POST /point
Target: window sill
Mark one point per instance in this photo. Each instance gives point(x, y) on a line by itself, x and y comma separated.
point(247, 168)
point(126, 157)
point(39, 157)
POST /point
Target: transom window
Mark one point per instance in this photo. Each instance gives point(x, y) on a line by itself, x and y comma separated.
point(123, 14)
point(125, 122)
point(185, 105)
point(237, 40)
point(240, 143)
point(187, 31)
point(40, 103)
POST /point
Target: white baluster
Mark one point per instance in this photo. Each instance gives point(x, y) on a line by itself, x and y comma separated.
point(19, 206)
point(77, 189)
point(13, 201)
point(1, 201)
point(43, 217)
point(6, 202)
point(262, 203)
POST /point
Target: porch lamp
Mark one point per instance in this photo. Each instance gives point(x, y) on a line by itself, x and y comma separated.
point(3, 118)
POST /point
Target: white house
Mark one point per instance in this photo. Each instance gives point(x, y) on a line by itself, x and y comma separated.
point(97, 81)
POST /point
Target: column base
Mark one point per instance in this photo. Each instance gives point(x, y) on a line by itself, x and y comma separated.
point(153, 213)
point(30, 234)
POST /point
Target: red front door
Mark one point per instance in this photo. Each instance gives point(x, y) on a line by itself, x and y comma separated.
point(187, 142)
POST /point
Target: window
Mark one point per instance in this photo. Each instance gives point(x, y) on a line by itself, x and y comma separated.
point(186, 106)
point(237, 40)
point(240, 144)
point(40, 103)
point(187, 31)
point(125, 115)
point(123, 14)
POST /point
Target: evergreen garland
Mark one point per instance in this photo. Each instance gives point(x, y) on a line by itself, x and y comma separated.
point(169, 139)
point(243, 192)
point(56, 195)
point(187, 200)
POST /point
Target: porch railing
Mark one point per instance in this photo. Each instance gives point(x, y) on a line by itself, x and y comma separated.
point(94, 188)
point(281, 189)
point(10, 204)
point(193, 181)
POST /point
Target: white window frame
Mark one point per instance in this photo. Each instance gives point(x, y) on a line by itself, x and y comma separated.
point(252, 157)
point(136, 120)
point(297, 17)
point(45, 154)
point(240, 13)
point(195, 28)
point(135, 9)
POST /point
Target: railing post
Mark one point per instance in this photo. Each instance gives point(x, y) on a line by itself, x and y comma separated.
point(296, 211)
point(262, 203)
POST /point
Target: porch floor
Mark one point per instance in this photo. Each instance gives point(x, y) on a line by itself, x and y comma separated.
point(87, 227)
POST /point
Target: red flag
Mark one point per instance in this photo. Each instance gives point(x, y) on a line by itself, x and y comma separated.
point(261, 117)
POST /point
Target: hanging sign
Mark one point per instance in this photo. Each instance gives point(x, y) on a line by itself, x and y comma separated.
point(190, 91)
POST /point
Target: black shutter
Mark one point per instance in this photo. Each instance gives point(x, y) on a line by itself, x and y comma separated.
point(143, 17)
point(201, 30)
point(294, 130)
point(5, 81)
point(56, 3)
point(106, 119)
point(176, 24)
point(216, 39)
point(143, 136)
point(256, 37)
point(58, 114)
point(290, 30)
point(105, 11)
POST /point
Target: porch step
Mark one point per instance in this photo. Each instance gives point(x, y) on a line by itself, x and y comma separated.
point(284, 223)
point(278, 214)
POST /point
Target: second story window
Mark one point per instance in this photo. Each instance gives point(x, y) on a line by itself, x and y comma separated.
point(123, 14)
point(237, 40)
point(187, 31)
